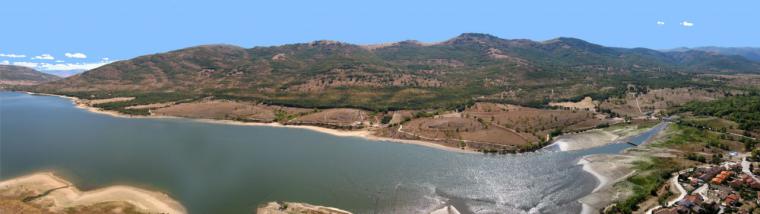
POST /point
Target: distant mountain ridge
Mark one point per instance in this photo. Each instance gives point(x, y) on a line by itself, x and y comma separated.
point(19, 75)
point(746, 52)
point(405, 74)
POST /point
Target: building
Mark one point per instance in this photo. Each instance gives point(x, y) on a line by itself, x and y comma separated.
point(731, 200)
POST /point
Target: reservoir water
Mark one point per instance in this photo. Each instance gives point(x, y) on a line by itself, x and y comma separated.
point(218, 168)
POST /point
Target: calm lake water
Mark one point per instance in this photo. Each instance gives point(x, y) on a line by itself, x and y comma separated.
point(216, 168)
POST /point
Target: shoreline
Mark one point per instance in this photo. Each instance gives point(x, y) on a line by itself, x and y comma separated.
point(62, 194)
point(608, 169)
point(594, 138)
point(365, 134)
point(603, 180)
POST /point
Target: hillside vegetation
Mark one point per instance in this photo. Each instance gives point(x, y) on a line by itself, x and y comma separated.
point(404, 75)
point(744, 110)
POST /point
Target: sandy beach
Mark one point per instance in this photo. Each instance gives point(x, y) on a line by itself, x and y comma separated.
point(296, 207)
point(366, 134)
point(56, 194)
point(79, 103)
point(585, 140)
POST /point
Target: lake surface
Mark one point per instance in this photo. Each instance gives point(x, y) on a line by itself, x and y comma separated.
point(217, 168)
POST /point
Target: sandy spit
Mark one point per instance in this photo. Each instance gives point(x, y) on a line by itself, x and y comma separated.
point(69, 196)
point(609, 169)
point(603, 180)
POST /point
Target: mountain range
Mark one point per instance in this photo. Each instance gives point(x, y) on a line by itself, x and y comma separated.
point(18, 75)
point(746, 52)
point(402, 75)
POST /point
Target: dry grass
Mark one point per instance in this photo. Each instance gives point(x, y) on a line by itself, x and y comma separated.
point(109, 100)
point(463, 129)
point(537, 122)
point(340, 117)
point(498, 124)
point(400, 116)
point(227, 110)
point(586, 104)
point(17, 206)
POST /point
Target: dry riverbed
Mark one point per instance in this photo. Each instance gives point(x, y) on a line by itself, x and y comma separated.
point(598, 137)
point(613, 170)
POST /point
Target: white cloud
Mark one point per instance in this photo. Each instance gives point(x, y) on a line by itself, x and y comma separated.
point(44, 56)
point(12, 55)
point(105, 59)
point(59, 61)
point(58, 66)
point(70, 66)
point(75, 55)
point(687, 24)
point(26, 64)
point(660, 23)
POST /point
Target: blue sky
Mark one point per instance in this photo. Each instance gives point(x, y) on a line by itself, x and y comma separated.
point(124, 29)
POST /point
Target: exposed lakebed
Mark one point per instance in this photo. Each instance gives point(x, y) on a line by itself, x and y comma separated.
point(218, 168)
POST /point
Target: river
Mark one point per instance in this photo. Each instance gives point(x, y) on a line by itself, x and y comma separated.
point(218, 168)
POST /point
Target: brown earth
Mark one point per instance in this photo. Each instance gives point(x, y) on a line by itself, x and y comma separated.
point(109, 100)
point(467, 130)
point(338, 118)
point(737, 80)
point(536, 122)
point(228, 110)
point(482, 126)
point(586, 104)
point(491, 125)
point(297, 208)
point(655, 101)
point(398, 117)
